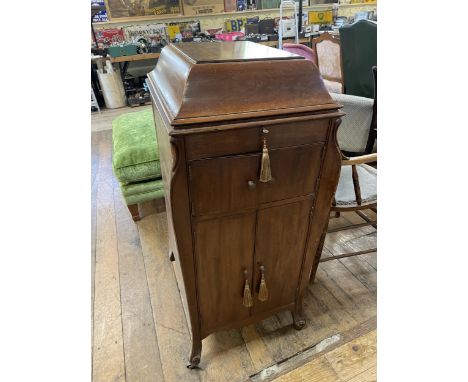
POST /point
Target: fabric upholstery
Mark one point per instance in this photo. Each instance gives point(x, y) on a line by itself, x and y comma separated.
point(301, 50)
point(345, 195)
point(329, 59)
point(143, 191)
point(333, 87)
point(359, 53)
point(353, 132)
point(135, 147)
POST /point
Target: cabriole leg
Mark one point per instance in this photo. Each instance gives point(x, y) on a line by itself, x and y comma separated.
point(298, 315)
point(195, 355)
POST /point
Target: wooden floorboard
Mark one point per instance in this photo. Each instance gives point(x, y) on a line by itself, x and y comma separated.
point(168, 316)
point(108, 355)
point(139, 328)
point(142, 361)
point(353, 361)
point(103, 121)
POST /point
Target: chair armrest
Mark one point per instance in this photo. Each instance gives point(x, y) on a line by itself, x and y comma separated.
point(359, 160)
point(353, 101)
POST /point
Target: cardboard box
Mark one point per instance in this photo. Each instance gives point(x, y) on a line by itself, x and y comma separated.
point(202, 7)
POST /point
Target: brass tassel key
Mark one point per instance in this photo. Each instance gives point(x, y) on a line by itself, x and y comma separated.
point(263, 291)
point(247, 300)
point(265, 170)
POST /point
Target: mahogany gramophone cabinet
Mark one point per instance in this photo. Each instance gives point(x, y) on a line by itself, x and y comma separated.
point(250, 163)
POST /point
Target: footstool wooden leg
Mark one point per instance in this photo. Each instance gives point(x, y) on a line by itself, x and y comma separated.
point(133, 208)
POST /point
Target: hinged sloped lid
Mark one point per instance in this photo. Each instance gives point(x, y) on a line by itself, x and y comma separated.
point(211, 82)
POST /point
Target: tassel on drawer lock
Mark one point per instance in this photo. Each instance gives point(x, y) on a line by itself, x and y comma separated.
point(265, 169)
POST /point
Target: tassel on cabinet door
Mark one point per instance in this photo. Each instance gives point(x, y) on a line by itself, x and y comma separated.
point(263, 291)
point(247, 299)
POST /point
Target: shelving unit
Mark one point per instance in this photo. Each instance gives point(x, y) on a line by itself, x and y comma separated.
point(168, 18)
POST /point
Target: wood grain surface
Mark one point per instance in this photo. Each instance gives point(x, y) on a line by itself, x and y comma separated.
point(139, 328)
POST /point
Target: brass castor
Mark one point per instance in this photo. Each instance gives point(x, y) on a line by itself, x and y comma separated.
point(299, 325)
point(298, 320)
point(194, 362)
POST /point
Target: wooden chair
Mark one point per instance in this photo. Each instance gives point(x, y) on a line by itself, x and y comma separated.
point(359, 54)
point(357, 187)
point(357, 134)
point(328, 59)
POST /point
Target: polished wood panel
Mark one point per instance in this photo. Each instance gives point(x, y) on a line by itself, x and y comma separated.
point(280, 248)
point(224, 248)
point(220, 214)
point(232, 51)
point(236, 178)
point(251, 139)
point(189, 92)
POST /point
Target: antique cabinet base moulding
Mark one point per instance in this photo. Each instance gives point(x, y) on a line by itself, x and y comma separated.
point(249, 161)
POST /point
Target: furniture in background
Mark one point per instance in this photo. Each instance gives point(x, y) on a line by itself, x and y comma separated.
point(94, 102)
point(301, 50)
point(357, 187)
point(245, 219)
point(356, 191)
point(357, 134)
point(135, 159)
point(328, 59)
point(359, 53)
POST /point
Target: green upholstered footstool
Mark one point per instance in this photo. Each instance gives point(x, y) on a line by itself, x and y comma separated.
point(135, 159)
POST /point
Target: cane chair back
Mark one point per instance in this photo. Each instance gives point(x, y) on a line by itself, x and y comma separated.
point(328, 59)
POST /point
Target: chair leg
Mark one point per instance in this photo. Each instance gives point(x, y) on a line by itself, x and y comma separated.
point(337, 214)
point(133, 208)
point(318, 255)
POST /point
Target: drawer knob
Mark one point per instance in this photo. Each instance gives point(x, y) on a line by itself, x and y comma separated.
point(263, 291)
point(265, 169)
point(247, 298)
point(252, 185)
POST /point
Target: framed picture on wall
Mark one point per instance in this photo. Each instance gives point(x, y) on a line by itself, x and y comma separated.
point(124, 9)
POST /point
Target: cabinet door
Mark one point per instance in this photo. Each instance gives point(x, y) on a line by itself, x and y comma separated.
point(224, 247)
point(279, 246)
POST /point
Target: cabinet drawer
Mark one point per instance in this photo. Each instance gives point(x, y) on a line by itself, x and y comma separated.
point(231, 183)
point(248, 140)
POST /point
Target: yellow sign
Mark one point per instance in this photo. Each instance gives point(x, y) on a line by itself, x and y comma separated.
point(235, 25)
point(172, 31)
point(321, 17)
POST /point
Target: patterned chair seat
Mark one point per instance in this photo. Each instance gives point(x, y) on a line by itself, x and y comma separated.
point(345, 195)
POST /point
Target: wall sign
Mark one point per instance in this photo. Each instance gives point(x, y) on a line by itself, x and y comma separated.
point(101, 16)
point(118, 9)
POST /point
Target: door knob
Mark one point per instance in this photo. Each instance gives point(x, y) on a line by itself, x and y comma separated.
point(251, 184)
